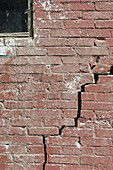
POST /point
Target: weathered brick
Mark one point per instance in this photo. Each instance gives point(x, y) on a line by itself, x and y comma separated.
point(56, 89)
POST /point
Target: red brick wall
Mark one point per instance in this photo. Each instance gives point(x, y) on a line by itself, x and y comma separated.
point(56, 90)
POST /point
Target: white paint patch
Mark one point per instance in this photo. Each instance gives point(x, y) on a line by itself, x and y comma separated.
point(44, 5)
point(72, 86)
point(6, 146)
point(62, 17)
point(3, 122)
point(77, 144)
point(10, 42)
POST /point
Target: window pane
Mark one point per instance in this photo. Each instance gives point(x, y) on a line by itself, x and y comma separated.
point(13, 16)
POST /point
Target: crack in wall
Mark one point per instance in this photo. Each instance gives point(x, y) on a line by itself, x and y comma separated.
point(45, 153)
point(96, 78)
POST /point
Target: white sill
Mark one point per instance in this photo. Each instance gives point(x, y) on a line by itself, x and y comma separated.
point(19, 34)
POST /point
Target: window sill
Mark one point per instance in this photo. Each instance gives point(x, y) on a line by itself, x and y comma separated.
point(20, 34)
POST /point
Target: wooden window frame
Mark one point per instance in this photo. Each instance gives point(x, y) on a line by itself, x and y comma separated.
point(30, 24)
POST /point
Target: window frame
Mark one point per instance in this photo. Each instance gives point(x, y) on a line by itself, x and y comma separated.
point(29, 33)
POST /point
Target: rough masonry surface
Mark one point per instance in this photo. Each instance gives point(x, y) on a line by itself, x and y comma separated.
point(56, 89)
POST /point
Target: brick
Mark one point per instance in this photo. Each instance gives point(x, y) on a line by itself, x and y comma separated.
point(97, 15)
point(95, 160)
point(105, 97)
point(4, 122)
point(104, 24)
point(5, 158)
point(101, 69)
point(63, 150)
point(19, 105)
point(35, 149)
point(100, 43)
point(79, 6)
point(34, 87)
point(38, 158)
point(43, 130)
point(58, 140)
point(22, 69)
point(69, 113)
point(43, 60)
point(88, 96)
point(12, 131)
point(94, 124)
point(104, 132)
point(21, 140)
point(105, 79)
point(25, 105)
point(44, 33)
point(68, 96)
point(104, 151)
point(35, 166)
point(66, 167)
point(48, 77)
point(66, 68)
point(47, 7)
point(111, 51)
point(64, 159)
point(57, 86)
point(77, 132)
point(96, 33)
point(32, 96)
point(109, 42)
point(96, 106)
point(81, 42)
point(62, 104)
point(61, 51)
point(106, 115)
point(52, 42)
point(26, 122)
point(48, 24)
point(37, 113)
point(88, 114)
point(104, 6)
point(97, 142)
point(66, 33)
point(13, 60)
point(4, 86)
point(10, 166)
point(65, 15)
point(78, 24)
point(98, 88)
point(77, 60)
point(13, 78)
point(13, 149)
point(92, 51)
point(22, 51)
point(59, 122)
point(53, 166)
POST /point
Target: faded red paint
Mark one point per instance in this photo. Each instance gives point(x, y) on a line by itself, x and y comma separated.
point(44, 122)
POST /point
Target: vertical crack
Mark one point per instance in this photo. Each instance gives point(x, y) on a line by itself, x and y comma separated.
point(79, 140)
point(111, 70)
point(79, 104)
point(80, 101)
point(45, 153)
point(60, 130)
point(79, 109)
point(96, 78)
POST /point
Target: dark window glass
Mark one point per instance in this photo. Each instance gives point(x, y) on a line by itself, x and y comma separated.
point(13, 16)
